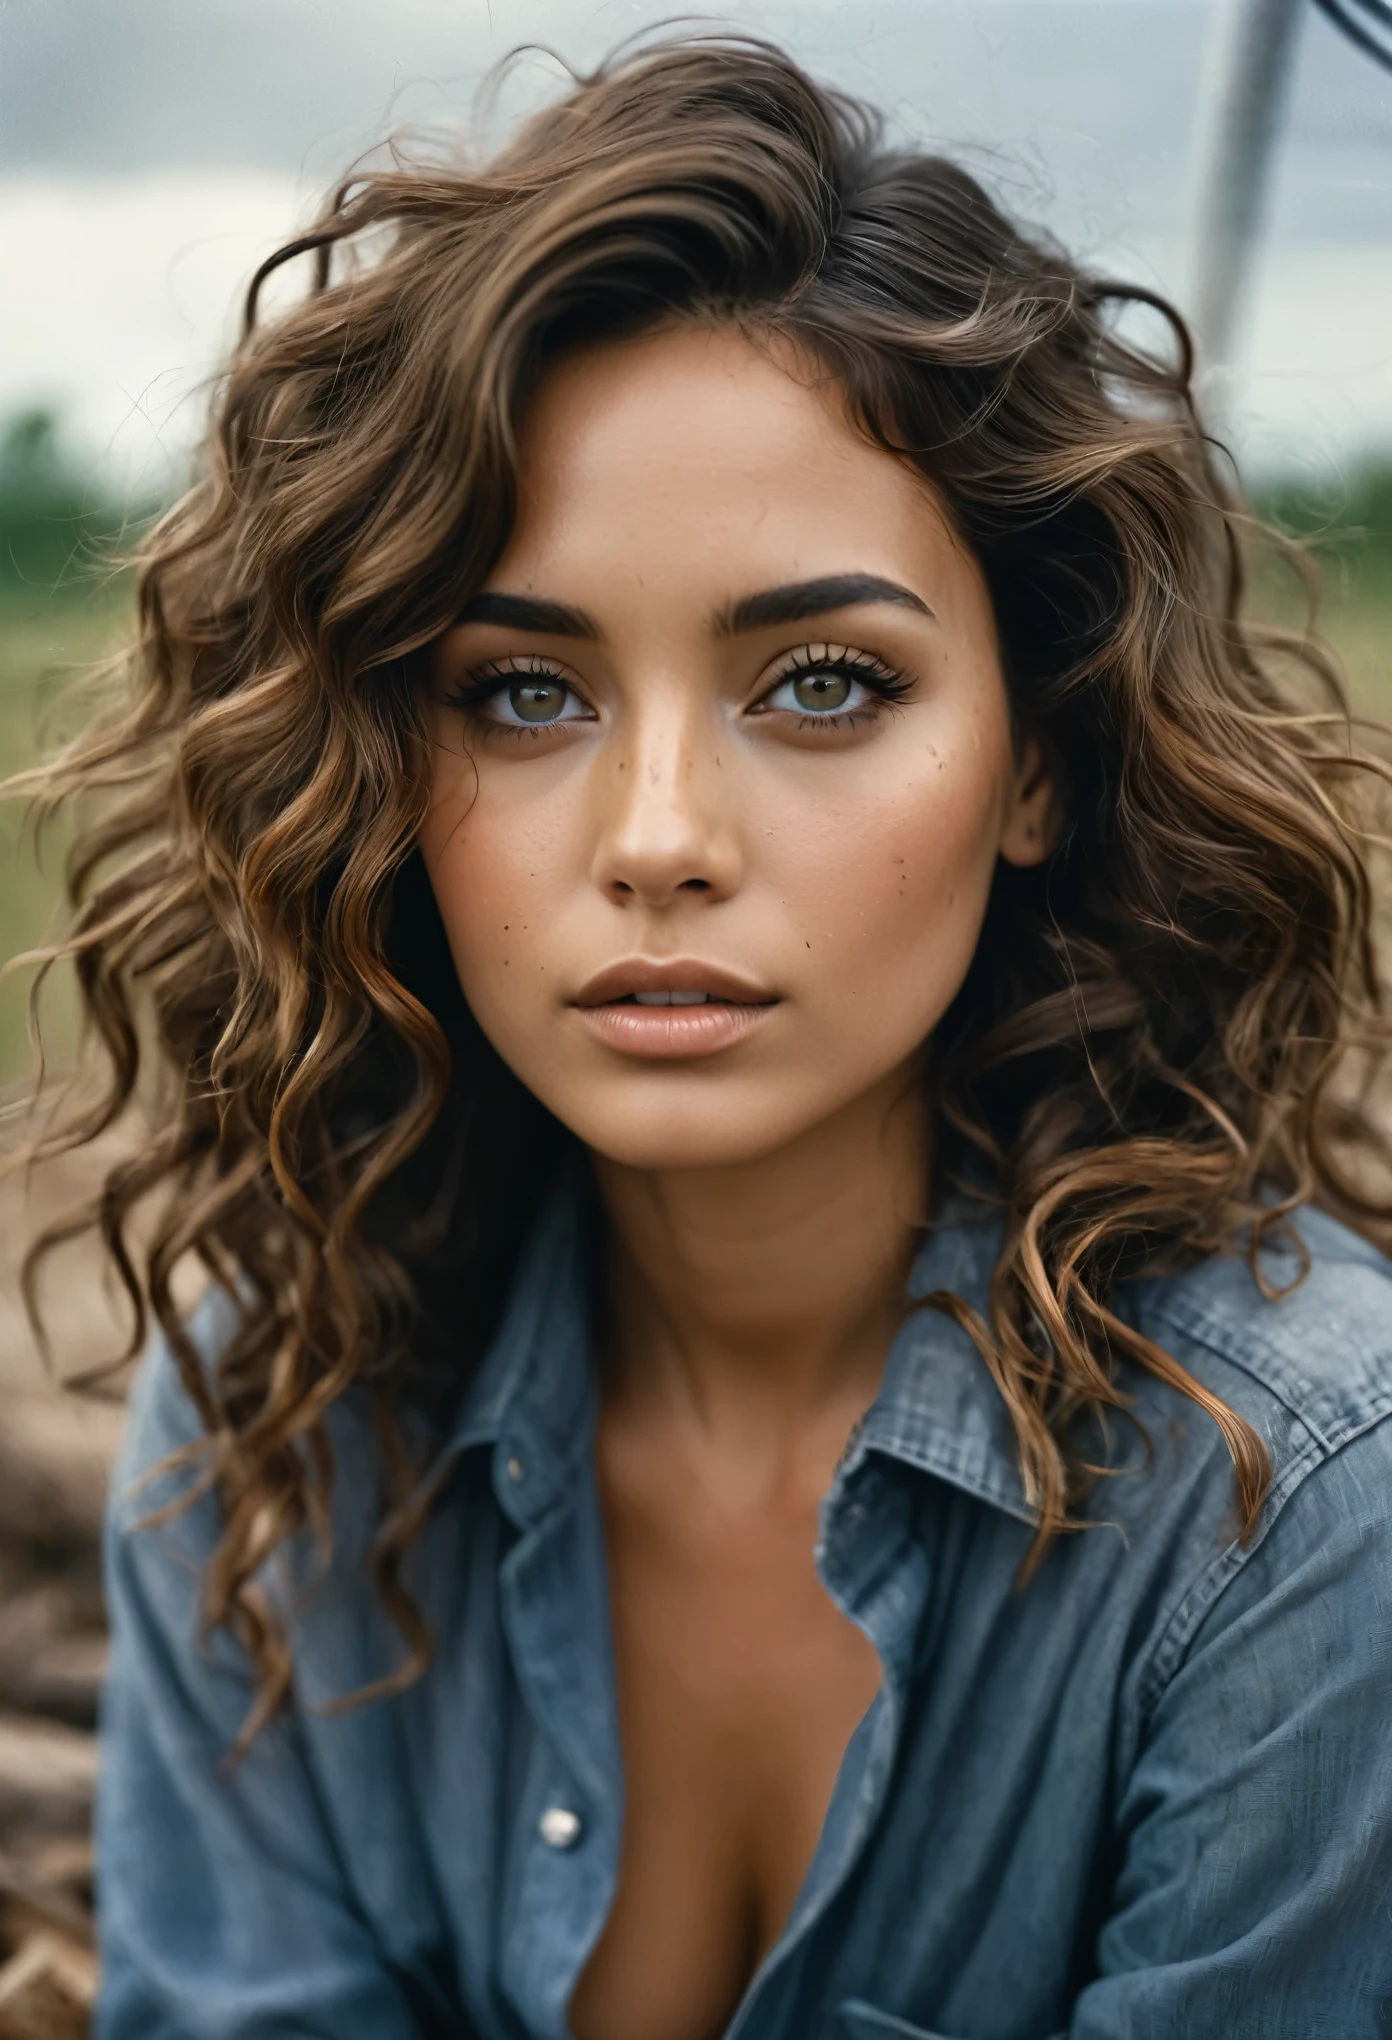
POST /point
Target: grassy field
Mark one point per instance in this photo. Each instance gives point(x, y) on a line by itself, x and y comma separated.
point(45, 641)
point(48, 633)
point(1351, 543)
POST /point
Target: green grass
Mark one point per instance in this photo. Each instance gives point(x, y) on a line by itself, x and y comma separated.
point(1348, 531)
point(46, 639)
point(60, 612)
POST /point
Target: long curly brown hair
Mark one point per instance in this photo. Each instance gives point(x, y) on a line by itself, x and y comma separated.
point(1169, 1035)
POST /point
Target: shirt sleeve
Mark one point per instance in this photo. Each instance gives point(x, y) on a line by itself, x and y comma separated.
point(223, 1909)
point(1254, 1891)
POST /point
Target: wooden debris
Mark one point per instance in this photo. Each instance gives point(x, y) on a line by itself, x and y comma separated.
point(47, 1991)
point(53, 1652)
point(47, 1773)
point(56, 1451)
point(54, 1461)
point(48, 1890)
point(55, 1458)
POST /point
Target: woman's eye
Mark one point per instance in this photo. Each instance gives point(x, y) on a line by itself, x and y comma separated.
point(815, 693)
point(824, 692)
point(834, 687)
point(534, 701)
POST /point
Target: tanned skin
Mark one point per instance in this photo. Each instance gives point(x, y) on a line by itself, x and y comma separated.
point(685, 778)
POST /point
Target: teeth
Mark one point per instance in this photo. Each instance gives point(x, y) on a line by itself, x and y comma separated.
point(671, 998)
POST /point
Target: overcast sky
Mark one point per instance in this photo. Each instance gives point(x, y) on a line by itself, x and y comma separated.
point(152, 150)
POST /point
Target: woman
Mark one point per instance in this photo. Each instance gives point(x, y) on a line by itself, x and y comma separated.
point(767, 1011)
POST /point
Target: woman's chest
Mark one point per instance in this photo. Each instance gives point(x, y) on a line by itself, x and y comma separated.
point(740, 1683)
point(690, 1732)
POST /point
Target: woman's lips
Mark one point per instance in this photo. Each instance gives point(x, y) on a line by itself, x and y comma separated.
point(671, 1008)
point(668, 1031)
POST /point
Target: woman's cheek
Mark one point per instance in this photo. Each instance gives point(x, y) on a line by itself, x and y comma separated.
point(488, 876)
point(904, 912)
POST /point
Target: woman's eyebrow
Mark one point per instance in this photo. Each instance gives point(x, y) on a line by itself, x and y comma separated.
point(528, 612)
point(800, 599)
point(770, 607)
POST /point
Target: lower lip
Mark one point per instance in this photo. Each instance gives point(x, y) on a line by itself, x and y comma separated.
point(665, 1033)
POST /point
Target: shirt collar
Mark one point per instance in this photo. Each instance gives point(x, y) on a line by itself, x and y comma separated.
point(937, 1410)
point(532, 1398)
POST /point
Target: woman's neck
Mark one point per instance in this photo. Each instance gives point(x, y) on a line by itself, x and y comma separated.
point(750, 1303)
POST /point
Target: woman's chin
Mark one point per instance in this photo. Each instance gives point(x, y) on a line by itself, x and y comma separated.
point(663, 1152)
point(740, 1122)
point(677, 1138)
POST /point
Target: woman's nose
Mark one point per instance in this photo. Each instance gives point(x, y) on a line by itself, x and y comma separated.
point(665, 829)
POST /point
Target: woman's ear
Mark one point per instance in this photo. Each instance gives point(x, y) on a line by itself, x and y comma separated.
point(1035, 814)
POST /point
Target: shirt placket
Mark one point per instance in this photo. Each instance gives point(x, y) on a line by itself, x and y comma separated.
point(878, 1576)
point(567, 1827)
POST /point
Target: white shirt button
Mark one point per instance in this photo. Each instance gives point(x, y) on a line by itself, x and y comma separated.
point(560, 1828)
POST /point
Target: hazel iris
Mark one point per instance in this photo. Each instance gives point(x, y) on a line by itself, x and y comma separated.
point(822, 692)
point(536, 701)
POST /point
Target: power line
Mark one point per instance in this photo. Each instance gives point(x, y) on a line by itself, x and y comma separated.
point(1366, 23)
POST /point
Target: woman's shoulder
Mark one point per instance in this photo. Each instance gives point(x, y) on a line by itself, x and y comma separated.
point(164, 1425)
point(1305, 1352)
point(162, 1462)
point(1305, 1355)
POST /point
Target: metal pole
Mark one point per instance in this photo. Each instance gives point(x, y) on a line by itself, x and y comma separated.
point(1247, 69)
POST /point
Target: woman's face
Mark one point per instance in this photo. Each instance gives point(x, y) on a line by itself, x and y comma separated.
point(722, 758)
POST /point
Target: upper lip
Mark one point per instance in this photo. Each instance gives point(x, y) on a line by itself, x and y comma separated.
point(677, 974)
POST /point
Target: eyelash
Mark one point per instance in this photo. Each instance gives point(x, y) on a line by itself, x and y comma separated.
point(890, 684)
point(481, 683)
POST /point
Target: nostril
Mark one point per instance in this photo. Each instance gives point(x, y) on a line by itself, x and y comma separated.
point(695, 885)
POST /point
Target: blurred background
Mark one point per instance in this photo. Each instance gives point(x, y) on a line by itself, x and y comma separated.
point(1233, 154)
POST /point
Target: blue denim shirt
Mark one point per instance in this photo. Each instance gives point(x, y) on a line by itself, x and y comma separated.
point(1148, 1794)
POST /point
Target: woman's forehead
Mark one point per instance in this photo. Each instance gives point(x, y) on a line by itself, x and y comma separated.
point(700, 452)
point(687, 390)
